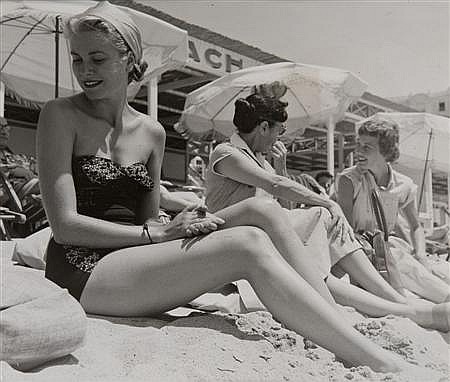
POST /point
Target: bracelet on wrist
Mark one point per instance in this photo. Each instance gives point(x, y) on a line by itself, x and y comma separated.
point(146, 231)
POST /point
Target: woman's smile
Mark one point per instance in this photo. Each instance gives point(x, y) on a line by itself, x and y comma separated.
point(361, 159)
point(91, 83)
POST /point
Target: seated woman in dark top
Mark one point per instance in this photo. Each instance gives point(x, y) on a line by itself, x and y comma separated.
point(103, 173)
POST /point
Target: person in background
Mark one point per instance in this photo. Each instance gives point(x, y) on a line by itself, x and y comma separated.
point(19, 169)
point(196, 170)
point(106, 157)
point(325, 179)
point(377, 147)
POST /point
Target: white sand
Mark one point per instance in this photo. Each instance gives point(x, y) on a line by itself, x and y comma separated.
point(218, 347)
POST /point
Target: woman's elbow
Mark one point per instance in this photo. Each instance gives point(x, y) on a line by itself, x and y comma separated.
point(62, 230)
point(60, 235)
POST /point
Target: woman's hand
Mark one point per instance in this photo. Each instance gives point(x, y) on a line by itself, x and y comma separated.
point(279, 155)
point(424, 261)
point(192, 221)
point(422, 258)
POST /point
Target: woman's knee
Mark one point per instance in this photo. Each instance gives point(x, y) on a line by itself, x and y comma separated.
point(322, 212)
point(255, 246)
point(264, 208)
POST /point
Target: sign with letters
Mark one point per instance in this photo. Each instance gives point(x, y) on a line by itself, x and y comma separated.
point(214, 59)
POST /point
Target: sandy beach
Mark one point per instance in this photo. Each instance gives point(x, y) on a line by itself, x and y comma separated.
point(231, 347)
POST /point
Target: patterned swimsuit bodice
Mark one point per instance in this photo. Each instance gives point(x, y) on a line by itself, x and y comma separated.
point(108, 190)
point(105, 190)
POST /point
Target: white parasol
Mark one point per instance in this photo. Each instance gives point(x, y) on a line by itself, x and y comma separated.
point(314, 93)
point(36, 64)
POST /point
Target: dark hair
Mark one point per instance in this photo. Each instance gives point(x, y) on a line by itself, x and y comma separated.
point(323, 174)
point(388, 137)
point(93, 23)
point(254, 109)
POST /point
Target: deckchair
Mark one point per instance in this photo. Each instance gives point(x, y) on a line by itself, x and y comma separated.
point(15, 218)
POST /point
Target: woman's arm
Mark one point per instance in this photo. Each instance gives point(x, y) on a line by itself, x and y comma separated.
point(55, 142)
point(416, 232)
point(345, 197)
point(176, 201)
point(279, 155)
point(240, 168)
point(148, 205)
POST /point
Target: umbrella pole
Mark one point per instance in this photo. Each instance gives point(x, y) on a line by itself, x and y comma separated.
point(57, 20)
point(447, 215)
point(330, 144)
point(152, 97)
point(425, 171)
point(2, 99)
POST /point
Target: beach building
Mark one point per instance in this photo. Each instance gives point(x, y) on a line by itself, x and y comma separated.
point(434, 103)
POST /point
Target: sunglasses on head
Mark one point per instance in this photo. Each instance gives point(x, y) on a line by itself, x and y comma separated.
point(375, 126)
point(372, 127)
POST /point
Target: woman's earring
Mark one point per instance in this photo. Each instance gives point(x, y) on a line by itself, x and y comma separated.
point(265, 127)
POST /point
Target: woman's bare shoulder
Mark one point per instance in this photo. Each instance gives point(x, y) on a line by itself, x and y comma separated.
point(57, 108)
point(150, 126)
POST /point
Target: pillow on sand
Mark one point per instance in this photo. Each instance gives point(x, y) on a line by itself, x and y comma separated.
point(22, 284)
point(42, 329)
point(39, 320)
point(31, 250)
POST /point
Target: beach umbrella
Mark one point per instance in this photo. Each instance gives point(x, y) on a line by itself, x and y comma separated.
point(314, 93)
point(35, 59)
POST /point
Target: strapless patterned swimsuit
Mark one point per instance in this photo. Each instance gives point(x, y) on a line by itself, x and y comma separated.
point(105, 190)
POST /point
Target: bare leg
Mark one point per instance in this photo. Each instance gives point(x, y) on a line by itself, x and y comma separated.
point(272, 219)
point(349, 257)
point(359, 267)
point(427, 315)
point(350, 295)
point(155, 278)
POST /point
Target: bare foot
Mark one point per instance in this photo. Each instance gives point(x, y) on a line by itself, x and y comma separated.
point(434, 317)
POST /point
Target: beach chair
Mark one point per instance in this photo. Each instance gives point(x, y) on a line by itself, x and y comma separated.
point(17, 219)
